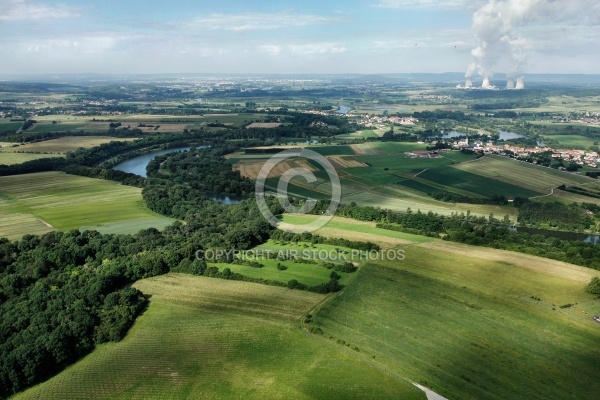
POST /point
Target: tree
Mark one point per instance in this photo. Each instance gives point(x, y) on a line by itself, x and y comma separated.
point(594, 285)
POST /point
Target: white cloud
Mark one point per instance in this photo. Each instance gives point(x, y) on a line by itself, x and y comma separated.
point(88, 44)
point(304, 49)
point(317, 48)
point(425, 4)
point(271, 49)
point(25, 10)
point(256, 21)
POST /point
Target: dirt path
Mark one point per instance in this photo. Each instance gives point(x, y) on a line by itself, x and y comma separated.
point(431, 395)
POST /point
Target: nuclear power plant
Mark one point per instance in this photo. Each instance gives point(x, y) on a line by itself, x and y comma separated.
point(487, 84)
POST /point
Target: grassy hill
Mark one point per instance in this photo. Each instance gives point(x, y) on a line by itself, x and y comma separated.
point(212, 338)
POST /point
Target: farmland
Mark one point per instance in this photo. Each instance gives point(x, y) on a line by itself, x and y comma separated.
point(433, 318)
point(522, 174)
point(468, 322)
point(574, 141)
point(212, 338)
point(66, 202)
point(436, 319)
point(66, 144)
point(382, 174)
point(10, 158)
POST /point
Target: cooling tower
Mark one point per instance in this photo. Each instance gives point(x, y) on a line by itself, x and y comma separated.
point(520, 84)
point(510, 83)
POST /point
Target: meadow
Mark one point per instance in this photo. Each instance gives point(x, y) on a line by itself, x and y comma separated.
point(64, 202)
point(470, 322)
point(310, 273)
point(212, 338)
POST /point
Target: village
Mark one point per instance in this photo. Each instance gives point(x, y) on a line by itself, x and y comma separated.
point(579, 157)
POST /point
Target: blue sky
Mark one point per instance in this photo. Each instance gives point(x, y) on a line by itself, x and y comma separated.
point(356, 36)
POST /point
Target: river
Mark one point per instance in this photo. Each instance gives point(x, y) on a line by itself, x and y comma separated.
point(137, 165)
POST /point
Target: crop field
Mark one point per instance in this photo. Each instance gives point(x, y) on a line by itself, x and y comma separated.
point(574, 141)
point(213, 338)
point(471, 184)
point(437, 319)
point(6, 125)
point(333, 150)
point(389, 169)
point(67, 143)
point(528, 176)
point(14, 226)
point(9, 158)
point(66, 202)
point(381, 148)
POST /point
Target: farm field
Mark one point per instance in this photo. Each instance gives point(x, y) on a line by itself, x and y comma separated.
point(9, 158)
point(436, 319)
point(389, 179)
point(528, 176)
point(9, 126)
point(463, 182)
point(68, 143)
point(66, 202)
point(213, 338)
point(574, 141)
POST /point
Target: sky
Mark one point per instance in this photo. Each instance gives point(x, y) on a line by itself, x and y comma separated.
point(333, 36)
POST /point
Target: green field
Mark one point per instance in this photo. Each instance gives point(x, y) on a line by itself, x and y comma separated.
point(468, 322)
point(66, 202)
point(467, 183)
point(213, 338)
point(436, 318)
point(332, 150)
point(9, 158)
point(362, 231)
point(308, 273)
point(573, 141)
point(382, 148)
point(462, 320)
point(68, 143)
point(528, 176)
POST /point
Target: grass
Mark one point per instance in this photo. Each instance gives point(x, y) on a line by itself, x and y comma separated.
point(131, 227)
point(528, 176)
point(9, 158)
point(68, 143)
point(308, 273)
point(332, 150)
point(383, 148)
point(464, 321)
point(363, 231)
point(473, 184)
point(212, 338)
point(70, 202)
point(9, 126)
point(574, 141)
